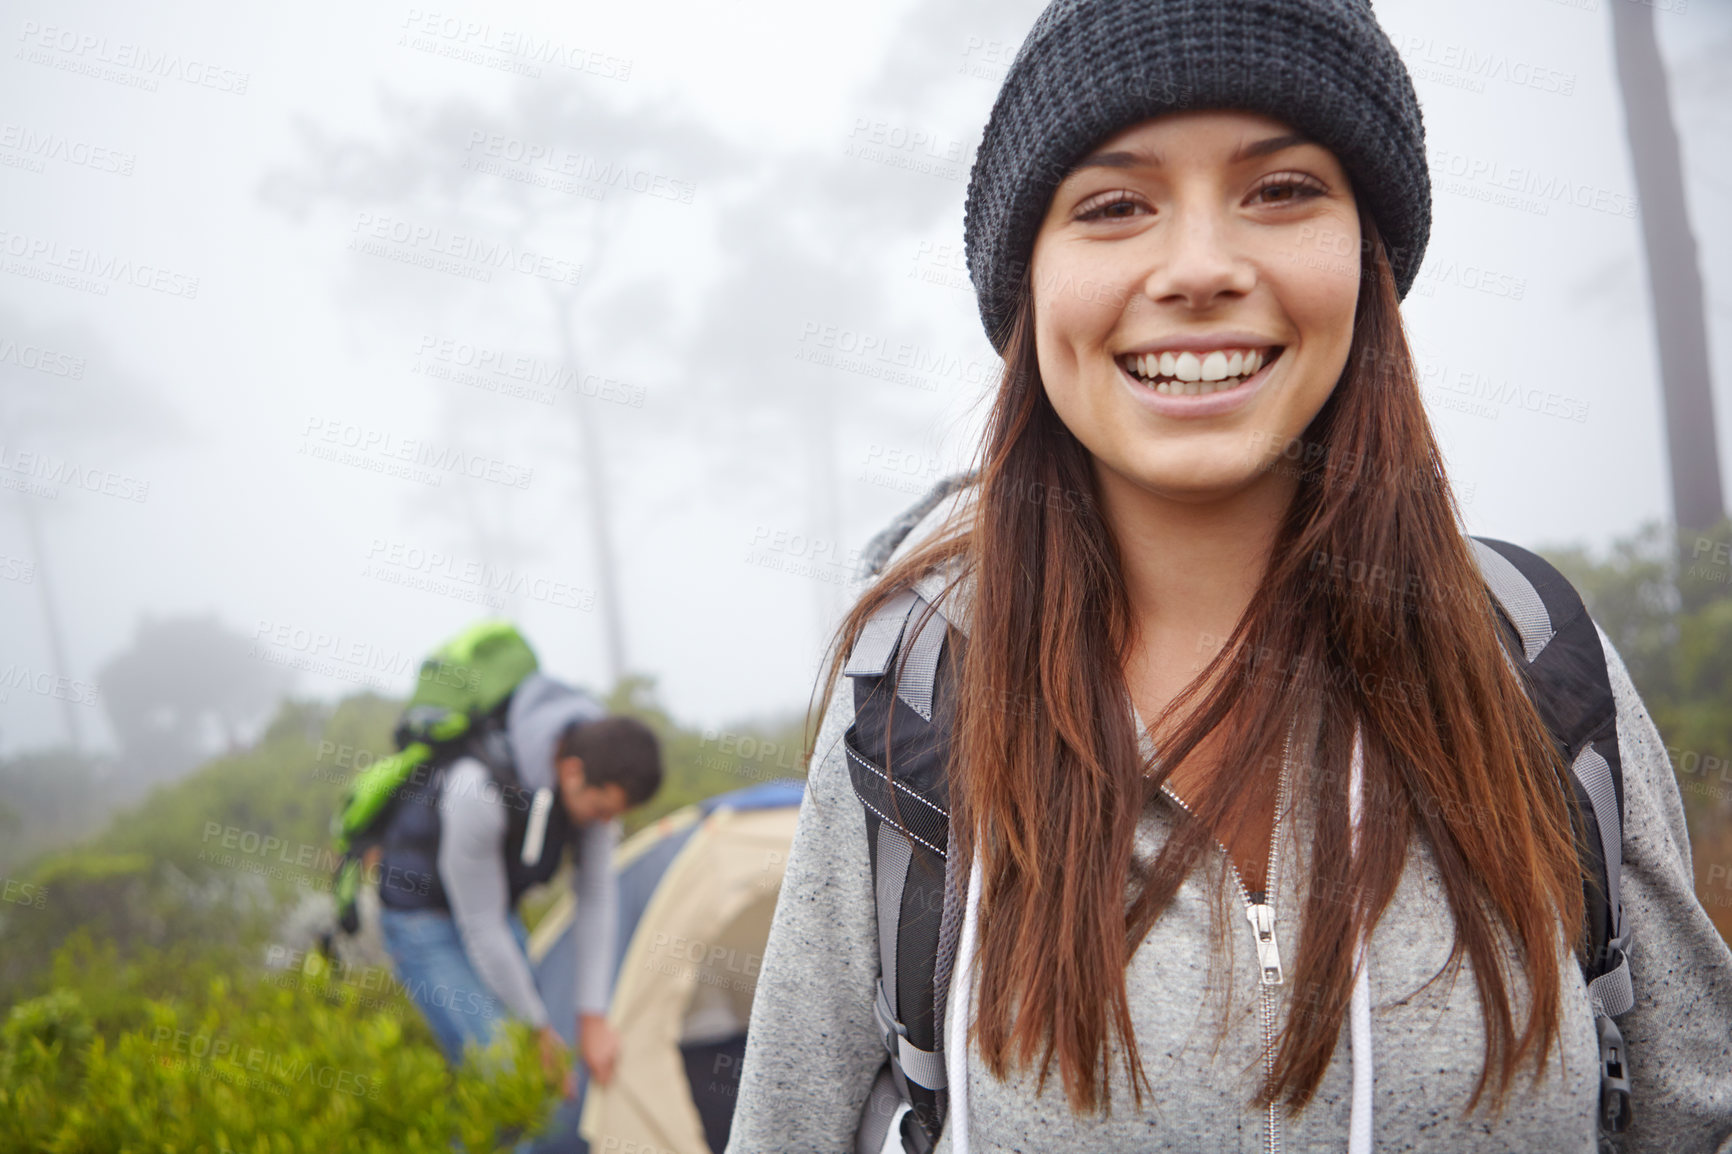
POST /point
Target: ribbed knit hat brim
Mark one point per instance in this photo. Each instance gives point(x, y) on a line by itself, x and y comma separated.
point(1090, 68)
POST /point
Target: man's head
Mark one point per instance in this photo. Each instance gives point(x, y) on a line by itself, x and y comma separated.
point(606, 767)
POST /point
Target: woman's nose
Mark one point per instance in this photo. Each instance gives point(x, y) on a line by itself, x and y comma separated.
point(1195, 261)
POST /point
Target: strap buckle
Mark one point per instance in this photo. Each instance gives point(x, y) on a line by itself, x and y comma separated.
point(1614, 1077)
point(889, 1029)
point(925, 1068)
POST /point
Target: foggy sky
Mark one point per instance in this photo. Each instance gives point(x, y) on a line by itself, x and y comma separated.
point(800, 173)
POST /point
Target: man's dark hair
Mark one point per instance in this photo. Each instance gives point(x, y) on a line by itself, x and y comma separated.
point(618, 750)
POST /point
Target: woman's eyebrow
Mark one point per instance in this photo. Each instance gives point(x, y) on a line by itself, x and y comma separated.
point(1121, 158)
point(1266, 146)
point(1132, 158)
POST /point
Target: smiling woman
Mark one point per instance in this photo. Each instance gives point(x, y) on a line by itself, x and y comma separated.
point(1250, 668)
point(1215, 343)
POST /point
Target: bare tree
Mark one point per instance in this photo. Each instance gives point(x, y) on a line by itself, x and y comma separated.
point(1674, 278)
point(421, 161)
point(72, 404)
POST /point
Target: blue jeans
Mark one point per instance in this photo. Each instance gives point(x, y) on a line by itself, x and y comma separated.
point(428, 956)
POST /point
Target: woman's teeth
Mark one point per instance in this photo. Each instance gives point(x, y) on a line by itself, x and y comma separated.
point(1189, 375)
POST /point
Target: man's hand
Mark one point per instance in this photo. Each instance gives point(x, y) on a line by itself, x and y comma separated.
point(553, 1060)
point(600, 1044)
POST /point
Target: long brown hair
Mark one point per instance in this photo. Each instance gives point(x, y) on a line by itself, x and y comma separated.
point(1453, 746)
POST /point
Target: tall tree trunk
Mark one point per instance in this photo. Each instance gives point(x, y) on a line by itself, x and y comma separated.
point(595, 489)
point(1674, 279)
point(51, 616)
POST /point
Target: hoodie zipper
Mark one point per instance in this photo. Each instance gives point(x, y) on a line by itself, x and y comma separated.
point(1262, 918)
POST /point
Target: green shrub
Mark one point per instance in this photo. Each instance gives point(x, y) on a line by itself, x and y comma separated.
point(258, 1066)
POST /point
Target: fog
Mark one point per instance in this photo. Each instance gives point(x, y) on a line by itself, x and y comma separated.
point(338, 322)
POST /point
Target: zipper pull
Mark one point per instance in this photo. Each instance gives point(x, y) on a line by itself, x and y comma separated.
point(1262, 917)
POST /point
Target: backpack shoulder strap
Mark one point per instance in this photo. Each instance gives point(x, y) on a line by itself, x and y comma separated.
point(1564, 666)
point(897, 751)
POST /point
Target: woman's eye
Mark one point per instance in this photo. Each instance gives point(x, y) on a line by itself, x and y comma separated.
point(1287, 187)
point(1119, 205)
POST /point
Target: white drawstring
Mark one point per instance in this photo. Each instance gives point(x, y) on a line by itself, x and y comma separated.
point(962, 985)
point(956, 1017)
point(1359, 1127)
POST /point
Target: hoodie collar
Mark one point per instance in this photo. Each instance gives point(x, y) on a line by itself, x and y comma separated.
point(541, 708)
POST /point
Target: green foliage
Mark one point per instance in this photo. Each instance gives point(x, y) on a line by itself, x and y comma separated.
point(210, 858)
point(1665, 600)
point(290, 1065)
point(140, 1018)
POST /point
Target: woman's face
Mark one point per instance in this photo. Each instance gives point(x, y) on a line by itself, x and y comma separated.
point(1194, 285)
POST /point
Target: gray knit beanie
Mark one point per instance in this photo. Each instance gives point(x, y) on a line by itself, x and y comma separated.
point(1090, 68)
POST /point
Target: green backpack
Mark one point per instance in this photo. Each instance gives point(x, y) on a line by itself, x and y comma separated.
point(462, 684)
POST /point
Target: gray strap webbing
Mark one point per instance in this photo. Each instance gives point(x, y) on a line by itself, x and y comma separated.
point(871, 654)
point(882, 1106)
point(1612, 992)
point(923, 1066)
point(920, 663)
point(1596, 778)
point(1520, 600)
point(894, 855)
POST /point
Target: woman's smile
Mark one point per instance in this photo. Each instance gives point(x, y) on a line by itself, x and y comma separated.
point(1198, 377)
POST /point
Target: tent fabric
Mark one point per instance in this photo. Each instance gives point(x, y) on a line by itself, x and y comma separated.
point(697, 894)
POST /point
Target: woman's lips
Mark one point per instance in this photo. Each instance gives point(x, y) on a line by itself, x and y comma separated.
point(1224, 401)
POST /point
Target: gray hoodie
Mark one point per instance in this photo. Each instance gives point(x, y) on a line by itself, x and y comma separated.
point(472, 857)
point(813, 1048)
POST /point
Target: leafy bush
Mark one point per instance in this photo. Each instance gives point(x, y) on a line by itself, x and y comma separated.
point(253, 1066)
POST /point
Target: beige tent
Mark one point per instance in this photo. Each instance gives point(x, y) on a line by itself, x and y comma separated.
point(683, 990)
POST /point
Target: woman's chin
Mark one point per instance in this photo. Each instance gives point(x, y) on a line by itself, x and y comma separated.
point(1198, 474)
